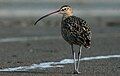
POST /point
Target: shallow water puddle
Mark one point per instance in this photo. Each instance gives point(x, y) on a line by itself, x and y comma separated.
point(56, 64)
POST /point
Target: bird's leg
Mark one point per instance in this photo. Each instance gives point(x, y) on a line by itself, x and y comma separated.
point(79, 56)
point(73, 53)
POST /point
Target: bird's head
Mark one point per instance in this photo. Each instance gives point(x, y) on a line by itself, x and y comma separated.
point(66, 10)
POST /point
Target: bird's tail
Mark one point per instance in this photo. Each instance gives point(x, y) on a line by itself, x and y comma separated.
point(88, 43)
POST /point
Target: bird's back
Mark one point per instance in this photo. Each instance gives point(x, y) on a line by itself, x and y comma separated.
point(76, 31)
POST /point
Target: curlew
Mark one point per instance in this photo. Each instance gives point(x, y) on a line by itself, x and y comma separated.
point(74, 30)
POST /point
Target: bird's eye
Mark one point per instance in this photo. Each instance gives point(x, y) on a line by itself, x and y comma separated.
point(64, 9)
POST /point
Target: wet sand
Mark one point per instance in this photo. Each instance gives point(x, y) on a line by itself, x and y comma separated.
point(105, 41)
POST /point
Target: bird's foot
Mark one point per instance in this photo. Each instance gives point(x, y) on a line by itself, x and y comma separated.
point(76, 72)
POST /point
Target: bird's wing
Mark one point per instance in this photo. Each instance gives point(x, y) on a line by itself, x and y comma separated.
point(80, 30)
point(85, 33)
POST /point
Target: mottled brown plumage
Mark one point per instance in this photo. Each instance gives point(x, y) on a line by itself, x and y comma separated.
point(74, 30)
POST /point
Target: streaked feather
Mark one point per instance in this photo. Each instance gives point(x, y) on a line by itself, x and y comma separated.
point(76, 31)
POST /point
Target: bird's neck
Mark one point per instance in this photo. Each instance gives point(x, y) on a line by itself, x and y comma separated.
point(66, 16)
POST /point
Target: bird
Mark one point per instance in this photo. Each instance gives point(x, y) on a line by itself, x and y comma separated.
point(74, 30)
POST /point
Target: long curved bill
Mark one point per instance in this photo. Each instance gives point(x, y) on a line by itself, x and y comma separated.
point(46, 16)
